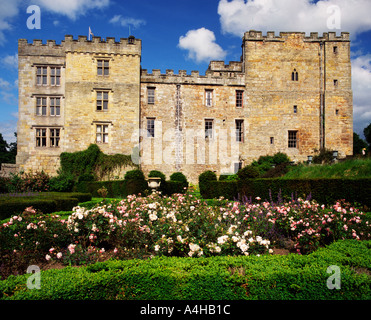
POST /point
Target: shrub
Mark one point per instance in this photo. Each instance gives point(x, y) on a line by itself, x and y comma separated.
point(62, 183)
point(135, 182)
point(324, 156)
point(280, 158)
point(203, 183)
point(178, 176)
point(248, 172)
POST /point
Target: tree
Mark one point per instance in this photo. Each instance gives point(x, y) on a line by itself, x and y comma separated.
point(367, 133)
point(358, 144)
point(7, 152)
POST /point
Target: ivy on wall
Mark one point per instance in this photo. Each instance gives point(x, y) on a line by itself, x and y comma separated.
point(93, 162)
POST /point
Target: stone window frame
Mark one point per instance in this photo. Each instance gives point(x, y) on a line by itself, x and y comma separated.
point(103, 64)
point(42, 75)
point(102, 133)
point(239, 98)
point(295, 109)
point(209, 97)
point(47, 137)
point(56, 105)
point(55, 77)
point(43, 72)
point(44, 109)
point(151, 95)
point(151, 127)
point(54, 137)
point(271, 140)
point(240, 130)
point(293, 140)
point(209, 128)
point(294, 76)
point(41, 106)
point(102, 101)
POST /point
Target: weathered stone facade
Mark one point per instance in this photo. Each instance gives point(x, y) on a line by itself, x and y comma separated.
point(289, 93)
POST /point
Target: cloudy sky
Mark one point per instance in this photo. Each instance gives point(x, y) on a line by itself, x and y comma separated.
point(182, 34)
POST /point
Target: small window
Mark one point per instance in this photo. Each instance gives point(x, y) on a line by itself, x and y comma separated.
point(272, 140)
point(337, 112)
point(335, 48)
point(103, 67)
point(208, 97)
point(294, 75)
point(102, 133)
point(42, 76)
point(295, 109)
point(151, 95)
point(54, 138)
point(239, 98)
point(150, 127)
point(292, 141)
point(336, 82)
point(239, 130)
point(55, 106)
point(55, 76)
point(237, 166)
point(209, 128)
point(102, 100)
point(41, 138)
point(41, 106)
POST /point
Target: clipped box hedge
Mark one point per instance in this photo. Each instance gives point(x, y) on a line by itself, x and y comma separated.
point(46, 202)
point(123, 188)
point(326, 191)
point(271, 277)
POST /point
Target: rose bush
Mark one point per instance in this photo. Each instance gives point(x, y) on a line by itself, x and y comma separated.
point(180, 225)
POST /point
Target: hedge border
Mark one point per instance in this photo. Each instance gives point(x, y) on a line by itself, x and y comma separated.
point(326, 191)
point(46, 202)
point(272, 277)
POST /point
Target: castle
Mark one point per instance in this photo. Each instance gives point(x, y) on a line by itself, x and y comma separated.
point(289, 93)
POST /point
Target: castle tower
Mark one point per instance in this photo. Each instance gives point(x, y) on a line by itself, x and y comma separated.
point(299, 93)
point(74, 94)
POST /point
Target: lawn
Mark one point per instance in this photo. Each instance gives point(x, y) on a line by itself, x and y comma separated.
point(355, 168)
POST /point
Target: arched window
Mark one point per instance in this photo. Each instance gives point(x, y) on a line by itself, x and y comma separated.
point(294, 75)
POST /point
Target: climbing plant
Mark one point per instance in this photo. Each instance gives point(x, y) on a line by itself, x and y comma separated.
point(93, 161)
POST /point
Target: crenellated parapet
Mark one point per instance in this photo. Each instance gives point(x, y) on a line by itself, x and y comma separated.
point(253, 35)
point(127, 46)
point(218, 73)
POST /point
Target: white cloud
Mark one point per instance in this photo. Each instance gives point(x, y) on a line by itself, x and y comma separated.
point(126, 21)
point(361, 85)
point(239, 16)
point(71, 8)
point(9, 10)
point(201, 45)
point(10, 61)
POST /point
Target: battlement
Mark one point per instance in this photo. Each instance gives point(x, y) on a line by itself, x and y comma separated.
point(109, 45)
point(253, 35)
point(218, 73)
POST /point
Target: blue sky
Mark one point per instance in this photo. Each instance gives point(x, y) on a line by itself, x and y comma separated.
point(183, 35)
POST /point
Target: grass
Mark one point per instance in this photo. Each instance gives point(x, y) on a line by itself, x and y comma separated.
point(355, 168)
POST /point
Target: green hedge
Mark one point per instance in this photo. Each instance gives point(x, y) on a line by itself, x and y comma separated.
point(218, 278)
point(123, 188)
point(46, 202)
point(326, 191)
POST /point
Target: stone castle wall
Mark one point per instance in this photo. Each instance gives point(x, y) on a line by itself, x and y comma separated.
point(316, 105)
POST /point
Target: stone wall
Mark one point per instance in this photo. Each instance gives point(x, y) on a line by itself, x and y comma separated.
point(79, 84)
point(286, 84)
